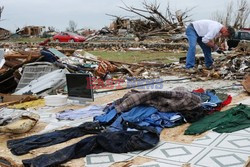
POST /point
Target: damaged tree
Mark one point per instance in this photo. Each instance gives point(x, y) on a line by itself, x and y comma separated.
point(1, 11)
point(153, 22)
point(72, 26)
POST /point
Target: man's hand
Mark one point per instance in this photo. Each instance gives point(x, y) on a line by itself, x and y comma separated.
point(218, 50)
point(215, 48)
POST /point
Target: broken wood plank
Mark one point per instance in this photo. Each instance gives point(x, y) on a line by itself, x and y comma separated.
point(138, 71)
point(130, 71)
point(86, 58)
point(247, 164)
point(19, 56)
point(118, 62)
point(8, 103)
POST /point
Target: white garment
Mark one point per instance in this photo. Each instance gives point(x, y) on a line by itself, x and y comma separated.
point(83, 113)
point(207, 29)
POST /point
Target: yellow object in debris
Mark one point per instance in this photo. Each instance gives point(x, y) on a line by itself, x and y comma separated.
point(31, 104)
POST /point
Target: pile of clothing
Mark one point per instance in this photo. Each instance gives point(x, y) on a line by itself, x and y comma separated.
point(231, 120)
point(212, 101)
point(131, 123)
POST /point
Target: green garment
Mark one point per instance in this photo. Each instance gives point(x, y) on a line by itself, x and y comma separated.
point(231, 120)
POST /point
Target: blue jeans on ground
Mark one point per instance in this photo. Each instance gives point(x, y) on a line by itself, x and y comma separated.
point(193, 38)
point(24, 145)
point(114, 142)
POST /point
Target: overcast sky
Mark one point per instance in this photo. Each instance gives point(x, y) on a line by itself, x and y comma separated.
point(89, 13)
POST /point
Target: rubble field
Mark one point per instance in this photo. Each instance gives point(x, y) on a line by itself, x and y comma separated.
point(123, 72)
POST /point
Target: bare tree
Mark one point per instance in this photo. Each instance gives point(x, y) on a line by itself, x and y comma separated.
point(51, 28)
point(1, 11)
point(183, 16)
point(72, 26)
point(229, 13)
point(235, 15)
point(218, 16)
point(243, 12)
point(151, 12)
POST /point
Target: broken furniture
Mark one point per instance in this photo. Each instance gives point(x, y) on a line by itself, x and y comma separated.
point(33, 71)
point(45, 84)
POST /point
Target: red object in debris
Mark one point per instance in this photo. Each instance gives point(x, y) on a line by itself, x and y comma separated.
point(223, 104)
point(45, 42)
point(104, 67)
point(68, 37)
point(200, 90)
point(246, 29)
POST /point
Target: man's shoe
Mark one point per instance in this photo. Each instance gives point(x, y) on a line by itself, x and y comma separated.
point(190, 70)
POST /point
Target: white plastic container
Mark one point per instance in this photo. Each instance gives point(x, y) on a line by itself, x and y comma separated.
point(55, 100)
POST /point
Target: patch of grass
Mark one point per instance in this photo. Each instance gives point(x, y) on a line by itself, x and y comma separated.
point(138, 56)
point(26, 39)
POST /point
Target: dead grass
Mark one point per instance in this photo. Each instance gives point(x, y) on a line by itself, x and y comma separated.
point(138, 56)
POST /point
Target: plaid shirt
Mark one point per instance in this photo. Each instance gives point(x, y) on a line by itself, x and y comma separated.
point(178, 99)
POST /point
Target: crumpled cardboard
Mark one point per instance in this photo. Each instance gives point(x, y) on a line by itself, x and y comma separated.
point(246, 84)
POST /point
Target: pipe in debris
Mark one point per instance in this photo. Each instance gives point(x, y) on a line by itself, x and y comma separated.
point(166, 80)
point(112, 90)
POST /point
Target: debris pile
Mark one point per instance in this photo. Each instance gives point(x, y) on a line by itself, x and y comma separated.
point(31, 31)
point(232, 66)
point(9, 73)
point(28, 72)
point(4, 34)
point(152, 22)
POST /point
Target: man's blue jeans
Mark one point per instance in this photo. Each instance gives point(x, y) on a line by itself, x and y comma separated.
point(193, 38)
